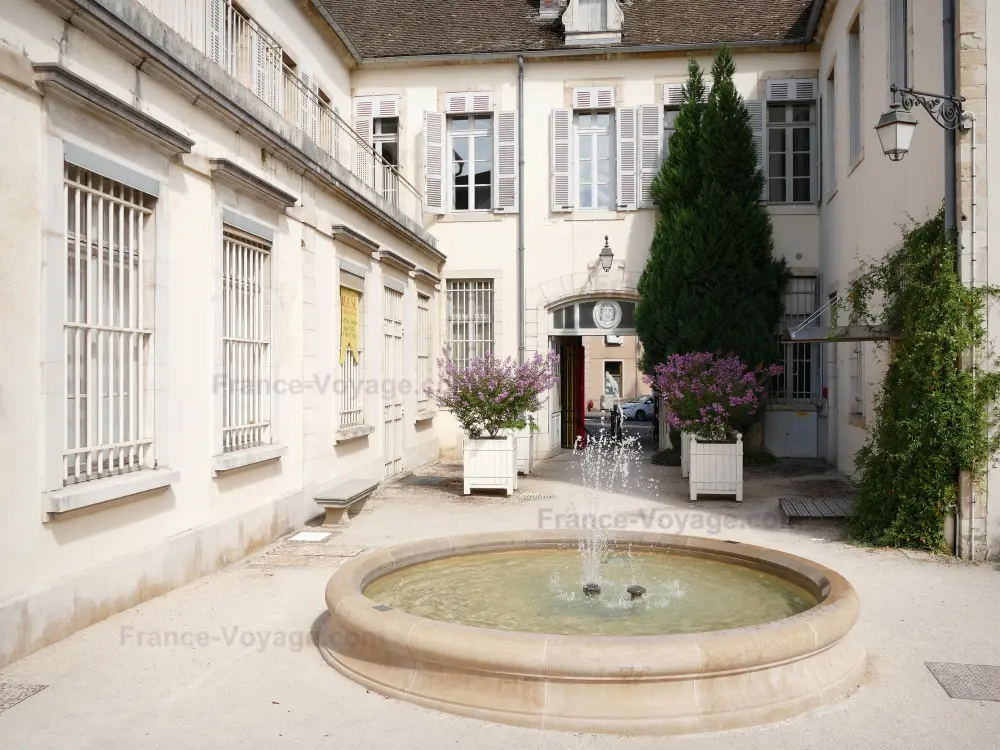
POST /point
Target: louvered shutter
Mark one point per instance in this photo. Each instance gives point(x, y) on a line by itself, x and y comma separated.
point(650, 150)
point(594, 97)
point(561, 177)
point(673, 94)
point(309, 106)
point(434, 163)
point(757, 125)
point(364, 125)
point(627, 173)
point(213, 25)
point(505, 163)
point(466, 102)
point(265, 76)
point(791, 89)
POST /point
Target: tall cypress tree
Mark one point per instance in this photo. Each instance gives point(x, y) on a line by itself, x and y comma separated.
point(675, 189)
point(730, 295)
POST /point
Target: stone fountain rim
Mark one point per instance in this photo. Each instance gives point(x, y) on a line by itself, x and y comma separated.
point(593, 656)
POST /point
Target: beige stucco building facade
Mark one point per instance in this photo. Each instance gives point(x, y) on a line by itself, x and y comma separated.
point(271, 155)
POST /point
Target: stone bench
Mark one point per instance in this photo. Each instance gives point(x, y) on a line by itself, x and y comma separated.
point(344, 499)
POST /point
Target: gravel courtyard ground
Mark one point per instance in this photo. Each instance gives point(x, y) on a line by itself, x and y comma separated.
point(230, 660)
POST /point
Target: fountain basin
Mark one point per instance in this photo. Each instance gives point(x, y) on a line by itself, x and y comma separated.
point(645, 684)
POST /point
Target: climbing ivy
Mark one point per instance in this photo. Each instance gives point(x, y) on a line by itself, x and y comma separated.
point(931, 418)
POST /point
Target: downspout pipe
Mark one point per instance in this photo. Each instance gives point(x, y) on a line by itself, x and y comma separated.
point(970, 121)
point(520, 209)
point(950, 166)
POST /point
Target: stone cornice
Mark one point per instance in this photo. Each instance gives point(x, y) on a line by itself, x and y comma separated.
point(422, 274)
point(58, 82)
point(389, 258)
point(354, 239)
point(243, 181)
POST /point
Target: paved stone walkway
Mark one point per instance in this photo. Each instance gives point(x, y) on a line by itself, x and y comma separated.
point(230, 661)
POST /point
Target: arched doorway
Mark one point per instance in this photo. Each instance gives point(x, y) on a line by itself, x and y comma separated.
point(596, 340)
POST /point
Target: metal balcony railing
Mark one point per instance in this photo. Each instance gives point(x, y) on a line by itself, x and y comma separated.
point(220, 30)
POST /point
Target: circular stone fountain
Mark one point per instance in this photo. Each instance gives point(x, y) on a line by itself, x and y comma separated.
point(497, 627)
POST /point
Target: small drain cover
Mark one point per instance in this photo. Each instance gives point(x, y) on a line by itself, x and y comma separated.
point(975, 682)
point(534, 496)
point(310, 536)
point(382, 607)
point(11, 694)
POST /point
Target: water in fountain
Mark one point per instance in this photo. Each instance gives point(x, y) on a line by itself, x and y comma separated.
point(610, 459)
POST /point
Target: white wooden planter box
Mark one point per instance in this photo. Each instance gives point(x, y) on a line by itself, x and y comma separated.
point(490, 464)
point(685, 454)
point(717, 468)
point(525, 449)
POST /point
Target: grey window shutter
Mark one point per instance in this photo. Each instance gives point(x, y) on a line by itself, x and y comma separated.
point(757, 124)
point(505, 163)
point(562, 160)
point(627, 174)
point(213, 25)
point(434, 163)
point(650, 150)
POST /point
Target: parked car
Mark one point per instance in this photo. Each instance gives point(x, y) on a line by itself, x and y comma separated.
point(638, 408)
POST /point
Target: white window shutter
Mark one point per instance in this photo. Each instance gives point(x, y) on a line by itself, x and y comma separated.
point(364, 125)
point(312, 126)
point(561, 178)
point(650, 150)
point(756, 109)
point(386, 106)
point(673, 94)
point(505, 163)
point(594, 97)
point(213, 26)
point(434, 163)
point(791, 89)
point(464, 102)
point(627, 173)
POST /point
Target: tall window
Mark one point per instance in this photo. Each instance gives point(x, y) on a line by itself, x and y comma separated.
point(386, 144)
point(108, 328)
point(830, 134)
point(799, 383)
point(352, 398)
point(854, 71)
point(246, 341)
point(423, 351)
point(470, 139)
point(669, 128)
point(595, 160)
point(470, 320)
point(791, 137)
point(857, 378)
point(899, 42)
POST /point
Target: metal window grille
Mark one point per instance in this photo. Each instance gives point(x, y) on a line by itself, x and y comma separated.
point(246, 342)
point(352, 399)
point(423, 351)
point(857, 378)
point(108, 328)
point(392, 371)
point(470, 320)
point(799, 384)
point(791, 145)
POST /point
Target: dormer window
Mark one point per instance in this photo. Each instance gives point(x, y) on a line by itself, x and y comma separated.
point(593, 22)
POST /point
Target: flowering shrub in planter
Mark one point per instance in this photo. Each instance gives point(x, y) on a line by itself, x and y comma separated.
point(493, 399)
point(709, 396)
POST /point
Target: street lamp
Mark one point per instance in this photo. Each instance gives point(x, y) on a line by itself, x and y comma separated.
point(895, 128)
point(607, 256)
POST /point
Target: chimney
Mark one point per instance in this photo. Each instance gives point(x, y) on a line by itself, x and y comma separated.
point(549, 9)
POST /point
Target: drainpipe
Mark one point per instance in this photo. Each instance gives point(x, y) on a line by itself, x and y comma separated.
point(520, 209)
point(970, 119)
point(950, 170)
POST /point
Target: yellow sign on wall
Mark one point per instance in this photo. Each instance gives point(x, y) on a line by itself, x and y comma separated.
point(349, 299)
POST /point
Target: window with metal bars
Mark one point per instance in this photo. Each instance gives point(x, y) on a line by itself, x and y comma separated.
point(799, 384)
point(246, 340)
point(108, 328)
point(470, 320)
point(857, 379)
point(423, 351)
point(352, 397)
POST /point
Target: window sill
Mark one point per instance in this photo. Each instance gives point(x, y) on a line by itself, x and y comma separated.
point(345, 434)
point(98, 491)
point(803, 408)
point(585, 214)
point(247, 457)
point(857, 162)
point(459, 217)
point(792, 209)
point(423, 416)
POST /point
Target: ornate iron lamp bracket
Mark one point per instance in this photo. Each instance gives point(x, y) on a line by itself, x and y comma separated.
point(946, 111)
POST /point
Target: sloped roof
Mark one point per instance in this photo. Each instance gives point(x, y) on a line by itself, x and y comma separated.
point(403, 28)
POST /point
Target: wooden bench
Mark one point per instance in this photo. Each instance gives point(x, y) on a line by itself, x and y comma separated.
point(344, 499)
point(796, 509)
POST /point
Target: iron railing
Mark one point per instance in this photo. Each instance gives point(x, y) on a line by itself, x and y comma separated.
point(249, 54)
